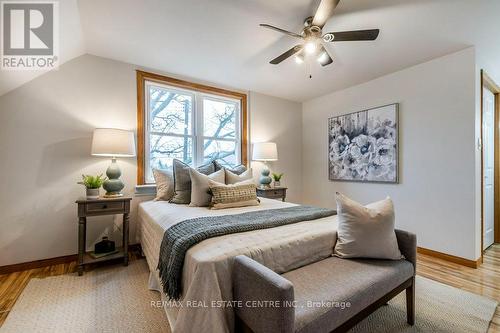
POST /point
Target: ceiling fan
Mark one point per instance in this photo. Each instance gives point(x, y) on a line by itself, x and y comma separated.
point(312, 36)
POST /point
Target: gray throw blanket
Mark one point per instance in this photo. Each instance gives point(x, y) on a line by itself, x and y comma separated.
point(180, 237)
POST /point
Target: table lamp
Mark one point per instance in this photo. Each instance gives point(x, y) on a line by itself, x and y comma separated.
point(113, 143)
point(265, 152)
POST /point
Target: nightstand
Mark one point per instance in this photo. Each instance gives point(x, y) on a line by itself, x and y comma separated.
point(99, 207)
point(272, 192)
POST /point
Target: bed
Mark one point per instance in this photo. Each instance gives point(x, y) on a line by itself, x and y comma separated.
point(206, 277)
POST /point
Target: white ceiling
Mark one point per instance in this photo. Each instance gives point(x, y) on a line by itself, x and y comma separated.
point(219, 41)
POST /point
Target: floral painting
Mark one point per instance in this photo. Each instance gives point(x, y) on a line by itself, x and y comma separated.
point(363, 146)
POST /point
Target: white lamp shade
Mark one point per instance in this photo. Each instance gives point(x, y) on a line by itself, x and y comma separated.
point(265, 151)
point(113, 142)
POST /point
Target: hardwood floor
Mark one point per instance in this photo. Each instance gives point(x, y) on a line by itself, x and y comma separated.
point(484, 281)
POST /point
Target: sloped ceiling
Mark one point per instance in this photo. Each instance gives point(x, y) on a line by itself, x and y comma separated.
point(70, 46)
point(220, 41)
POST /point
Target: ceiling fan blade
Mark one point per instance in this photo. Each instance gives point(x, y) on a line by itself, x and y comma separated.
point(287, 54)
point(289, 33)
point(324, 58)
point(324, 12)
point(346, 36)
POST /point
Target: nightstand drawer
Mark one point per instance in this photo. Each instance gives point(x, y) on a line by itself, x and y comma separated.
point(275, 193)
point(272, 193)
point(101, 207)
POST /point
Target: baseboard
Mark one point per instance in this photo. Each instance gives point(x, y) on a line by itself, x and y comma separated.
point(23, 266)
point(450, 258)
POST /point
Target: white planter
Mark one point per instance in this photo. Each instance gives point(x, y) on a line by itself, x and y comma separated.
point(277, 183)
point(92, 193)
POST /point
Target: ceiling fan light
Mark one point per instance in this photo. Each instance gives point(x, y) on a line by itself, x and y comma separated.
point(310, 47)
point(323, 58)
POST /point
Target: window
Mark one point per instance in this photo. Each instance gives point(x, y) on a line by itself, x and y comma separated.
point(189, 122)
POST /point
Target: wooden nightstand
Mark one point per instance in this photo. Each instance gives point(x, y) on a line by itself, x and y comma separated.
point(99, 207)
point(272, 192)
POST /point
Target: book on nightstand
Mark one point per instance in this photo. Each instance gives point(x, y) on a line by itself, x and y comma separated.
point(100, 255)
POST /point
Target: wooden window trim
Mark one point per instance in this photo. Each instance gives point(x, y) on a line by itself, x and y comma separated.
point(142, 77)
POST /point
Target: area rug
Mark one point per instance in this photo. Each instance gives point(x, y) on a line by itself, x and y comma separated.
point(117, 299)
point(439, 308)
point(108, 299)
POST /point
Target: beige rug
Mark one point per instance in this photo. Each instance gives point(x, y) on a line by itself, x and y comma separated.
point(116, 299)
point(111, 299)
point(439, 308)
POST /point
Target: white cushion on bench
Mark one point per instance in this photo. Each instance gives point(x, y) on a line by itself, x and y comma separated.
point(360, 282)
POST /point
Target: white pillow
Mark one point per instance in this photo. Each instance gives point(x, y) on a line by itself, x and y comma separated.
point(200, 195)
point(164, 180)
point(366, 232)
point(232, 178)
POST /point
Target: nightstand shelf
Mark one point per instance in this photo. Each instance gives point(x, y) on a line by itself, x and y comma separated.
point(99, 207)
point(88, 259)
point(272, 192)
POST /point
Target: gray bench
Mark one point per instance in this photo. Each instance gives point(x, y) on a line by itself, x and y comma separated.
point(315, 298)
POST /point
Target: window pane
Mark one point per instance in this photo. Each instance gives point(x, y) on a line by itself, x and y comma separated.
point(163, 149)
point(219, 118)
point(224, 151)
point(169, 111)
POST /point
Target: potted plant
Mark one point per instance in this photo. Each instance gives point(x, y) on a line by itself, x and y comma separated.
point(277, 178)
point(92, 184)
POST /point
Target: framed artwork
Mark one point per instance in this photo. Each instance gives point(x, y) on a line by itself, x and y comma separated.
point(363, 146)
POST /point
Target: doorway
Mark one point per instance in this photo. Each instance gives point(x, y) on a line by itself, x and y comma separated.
point(490, 165)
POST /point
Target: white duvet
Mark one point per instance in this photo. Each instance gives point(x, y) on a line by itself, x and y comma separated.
point(206, 278)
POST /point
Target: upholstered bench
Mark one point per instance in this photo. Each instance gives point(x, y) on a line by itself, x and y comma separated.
point(329, 295)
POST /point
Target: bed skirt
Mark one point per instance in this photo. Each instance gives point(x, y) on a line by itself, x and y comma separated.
point(155, 285)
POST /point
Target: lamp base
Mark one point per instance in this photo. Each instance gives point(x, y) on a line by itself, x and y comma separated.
point(113, 185)
point(265, 180)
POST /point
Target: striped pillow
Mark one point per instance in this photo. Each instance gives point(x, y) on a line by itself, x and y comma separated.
point(236, 195)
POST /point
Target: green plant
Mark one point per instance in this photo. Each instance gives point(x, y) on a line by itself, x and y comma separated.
point(92, 182)
point(277, 176)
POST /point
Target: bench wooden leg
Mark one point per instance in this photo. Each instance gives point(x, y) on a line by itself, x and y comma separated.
point(410, 303)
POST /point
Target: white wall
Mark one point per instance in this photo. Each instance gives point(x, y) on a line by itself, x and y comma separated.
point(277, 120)
point(436, 194)
point(45, 135)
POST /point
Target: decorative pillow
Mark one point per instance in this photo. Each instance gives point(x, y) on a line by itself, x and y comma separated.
point(239, 169)
point(164, 180)
point(200, 189)
point(366, 232)
point(230, 196)
point(182, 180)
point(232, 178)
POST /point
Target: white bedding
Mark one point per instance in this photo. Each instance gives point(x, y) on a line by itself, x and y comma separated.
point(207, 266)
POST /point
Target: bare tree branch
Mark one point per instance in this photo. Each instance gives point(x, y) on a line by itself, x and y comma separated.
point(164, 123)
point(221, 126)
point(158, 108)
